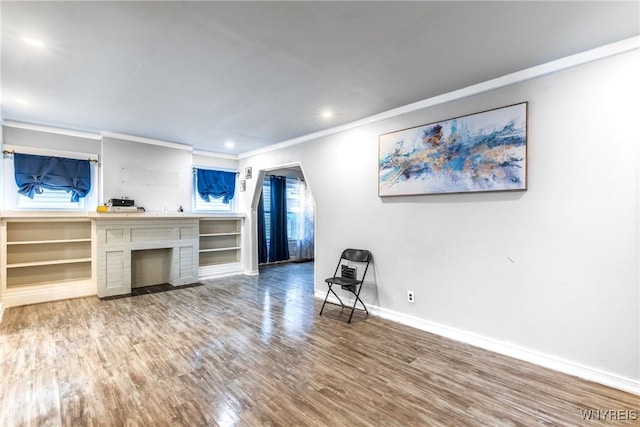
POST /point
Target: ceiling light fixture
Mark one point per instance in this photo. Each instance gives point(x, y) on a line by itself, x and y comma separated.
point(22, 101)
point(229, 144)
point(33, 42)
point(327, 114)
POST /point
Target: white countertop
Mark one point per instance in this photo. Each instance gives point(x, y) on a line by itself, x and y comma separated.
point(116, 215)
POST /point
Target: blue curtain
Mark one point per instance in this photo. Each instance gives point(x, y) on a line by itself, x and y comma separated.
point(35, 173)
point(279, 243)
point(262, 232)
point(217, 184)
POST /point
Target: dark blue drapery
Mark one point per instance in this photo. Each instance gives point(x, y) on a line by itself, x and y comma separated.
point(262, 232)
point(216, 184)
point(278, 243)
point(35, 173)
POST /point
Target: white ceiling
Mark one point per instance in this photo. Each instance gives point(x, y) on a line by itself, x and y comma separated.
point(259, 73)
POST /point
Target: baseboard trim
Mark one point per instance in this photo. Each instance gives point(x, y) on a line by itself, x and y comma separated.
point(504, 348)
point(36, 294)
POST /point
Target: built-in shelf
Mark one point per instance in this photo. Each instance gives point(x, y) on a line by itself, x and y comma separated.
point(220, 249)
point(40, 242)
point(220, 241)
point(52, 262)
point(37, 252)
point(220, 234)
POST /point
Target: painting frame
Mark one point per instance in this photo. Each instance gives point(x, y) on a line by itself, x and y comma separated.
point(479, 152)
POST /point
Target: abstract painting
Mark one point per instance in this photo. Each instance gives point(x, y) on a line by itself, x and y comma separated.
point(485, 151)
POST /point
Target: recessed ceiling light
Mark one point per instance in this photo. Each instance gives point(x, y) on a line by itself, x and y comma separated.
point(22, 101)
point(229, 144)
point(327, 114)
point(33, 42)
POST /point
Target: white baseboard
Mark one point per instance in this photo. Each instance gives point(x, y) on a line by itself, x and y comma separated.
point(252, 272)
point(504, 348)
point(35, 294)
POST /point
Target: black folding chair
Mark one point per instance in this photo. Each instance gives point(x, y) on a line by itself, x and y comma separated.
point(348, 280)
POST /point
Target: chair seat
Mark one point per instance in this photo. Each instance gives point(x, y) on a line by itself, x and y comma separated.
point(342, 281)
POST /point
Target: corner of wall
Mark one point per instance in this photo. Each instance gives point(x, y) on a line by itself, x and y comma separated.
point(1, 311)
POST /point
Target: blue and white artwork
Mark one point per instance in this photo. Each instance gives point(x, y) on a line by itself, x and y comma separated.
point(481, 152)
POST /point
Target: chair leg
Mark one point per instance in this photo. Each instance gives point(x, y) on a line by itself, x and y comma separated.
point(354, 307)
point(325, 300)
point(357, 295)
point(352, 310)
point(327, 296)
point(363, 306)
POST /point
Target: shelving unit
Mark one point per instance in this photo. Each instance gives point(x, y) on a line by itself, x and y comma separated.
point(220, 249)
point(46, 259)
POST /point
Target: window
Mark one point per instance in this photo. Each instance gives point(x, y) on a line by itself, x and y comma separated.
point(49, 199)
point(214, 204)
point(293, 207)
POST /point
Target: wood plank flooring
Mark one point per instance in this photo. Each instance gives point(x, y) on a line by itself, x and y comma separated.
point(252, 351)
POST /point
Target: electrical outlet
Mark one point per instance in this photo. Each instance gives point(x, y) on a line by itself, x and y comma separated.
point(411, 297)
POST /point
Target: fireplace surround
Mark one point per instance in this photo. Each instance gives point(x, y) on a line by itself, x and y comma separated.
point(118, 238)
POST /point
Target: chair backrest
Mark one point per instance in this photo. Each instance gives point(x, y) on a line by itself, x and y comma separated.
point(356, 255)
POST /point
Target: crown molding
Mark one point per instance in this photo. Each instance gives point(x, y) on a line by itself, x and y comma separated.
point(50, 129)
point(215, 155)
point(142, 140)
point(605, 51)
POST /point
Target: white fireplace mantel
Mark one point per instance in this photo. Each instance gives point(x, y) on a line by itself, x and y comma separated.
point(117, 236)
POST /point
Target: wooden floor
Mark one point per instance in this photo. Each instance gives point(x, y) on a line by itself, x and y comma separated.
point(253, 351)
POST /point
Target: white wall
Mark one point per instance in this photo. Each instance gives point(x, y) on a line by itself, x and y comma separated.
point(215, 162)
point(554, 270)
point(48, 140)
point(157, 178)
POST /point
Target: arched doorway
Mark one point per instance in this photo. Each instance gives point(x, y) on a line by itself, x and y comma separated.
point(285, 216)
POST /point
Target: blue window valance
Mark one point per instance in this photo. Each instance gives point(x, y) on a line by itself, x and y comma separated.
point(35, 173)
point(217, 184)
